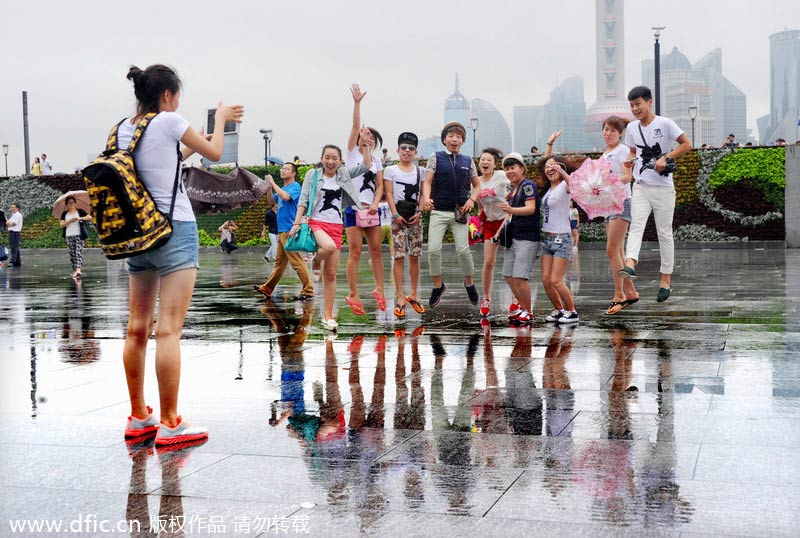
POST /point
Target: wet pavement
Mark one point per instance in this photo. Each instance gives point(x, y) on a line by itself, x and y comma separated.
point(680, 418)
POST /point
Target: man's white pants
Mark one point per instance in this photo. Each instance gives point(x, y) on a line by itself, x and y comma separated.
point(661, 202)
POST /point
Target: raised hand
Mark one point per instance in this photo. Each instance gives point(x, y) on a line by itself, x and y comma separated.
point(554, 137)
point(358, 95)
point(227, 113)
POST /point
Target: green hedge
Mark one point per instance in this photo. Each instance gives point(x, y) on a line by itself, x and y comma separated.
point(764, 167)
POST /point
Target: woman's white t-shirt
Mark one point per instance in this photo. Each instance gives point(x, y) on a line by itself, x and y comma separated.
point(73, 228)
point(364, 184)
point(616, 157)
point(156, 159)
point(555, 210)
point(329, 206)
point(493, 193)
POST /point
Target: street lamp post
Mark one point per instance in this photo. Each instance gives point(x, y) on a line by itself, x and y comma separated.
point(5, 154)
point(267, 140)
point(692, 116)
point(657, 54)
point(473, 124)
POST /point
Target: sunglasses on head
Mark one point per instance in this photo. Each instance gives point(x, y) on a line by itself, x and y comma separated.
point(407, 147)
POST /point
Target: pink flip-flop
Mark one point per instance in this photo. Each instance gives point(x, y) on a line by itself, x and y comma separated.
point(355, 306)
point(380, 299)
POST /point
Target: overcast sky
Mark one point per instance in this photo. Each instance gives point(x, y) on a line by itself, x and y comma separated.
point(291, 63)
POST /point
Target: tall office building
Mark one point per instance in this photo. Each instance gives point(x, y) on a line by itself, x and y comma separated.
point(721, 106)
point(528, 128)
point(784, 92)
point(493, 130)
point(566, 110)
point(456, 108)
point(610, 69)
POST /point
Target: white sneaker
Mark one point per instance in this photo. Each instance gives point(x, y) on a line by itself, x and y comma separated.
point(329, 324)
point(569, 317)
point(555, 315)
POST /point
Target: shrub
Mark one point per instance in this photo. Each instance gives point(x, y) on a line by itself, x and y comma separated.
point(700, 232)
point(763, 166)
point(206, 240)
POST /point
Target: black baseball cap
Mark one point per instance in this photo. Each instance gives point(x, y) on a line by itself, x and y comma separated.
point(408, 138)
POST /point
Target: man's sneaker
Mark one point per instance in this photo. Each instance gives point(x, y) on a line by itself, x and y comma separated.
point(436, 295)
point(472, 293)
point(569, 317)
point(183, 432)
point(524, 318)
point(627, 272)
point(138, 427)
point(554, 316)
point(486, 308)
point(513, 310)
point(663, 294)
point(329, 324)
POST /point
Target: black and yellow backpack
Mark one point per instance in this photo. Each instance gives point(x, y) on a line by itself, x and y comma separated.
point(126, 217)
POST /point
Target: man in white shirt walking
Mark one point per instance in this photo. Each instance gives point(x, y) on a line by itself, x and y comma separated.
point(47, 168)
point(650, 164)
point(14, 224)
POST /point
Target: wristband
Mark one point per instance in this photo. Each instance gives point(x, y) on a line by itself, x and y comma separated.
point(396, 216)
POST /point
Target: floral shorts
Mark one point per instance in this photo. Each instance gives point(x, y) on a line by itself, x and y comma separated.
point(407, 239)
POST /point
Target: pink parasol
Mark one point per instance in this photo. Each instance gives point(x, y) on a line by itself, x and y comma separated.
point(597, 189)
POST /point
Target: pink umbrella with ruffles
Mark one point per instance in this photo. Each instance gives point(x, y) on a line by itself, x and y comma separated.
point(597, 189)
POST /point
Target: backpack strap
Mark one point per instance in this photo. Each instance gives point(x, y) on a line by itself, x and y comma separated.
point(111, 143)
point(177, 181)
point(139, 131)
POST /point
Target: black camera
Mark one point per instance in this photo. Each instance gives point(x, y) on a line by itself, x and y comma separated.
point(669, 169)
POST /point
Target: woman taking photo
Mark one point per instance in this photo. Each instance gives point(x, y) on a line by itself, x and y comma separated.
point(166, 274)
point(494, 187)
point(334, 191)
point(369, 187)
point(616, 153)
point(557, 241)
point(73, 229)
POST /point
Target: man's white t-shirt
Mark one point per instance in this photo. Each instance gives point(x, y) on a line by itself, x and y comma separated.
point(47, 168)
point(404, 184)
point(555, 210)
point(16, 222)
point(661, 131)
point(156, 159)
point(616, 157)
point(365, 189)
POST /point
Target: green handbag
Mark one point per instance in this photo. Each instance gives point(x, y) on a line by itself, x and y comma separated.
point(303, 239)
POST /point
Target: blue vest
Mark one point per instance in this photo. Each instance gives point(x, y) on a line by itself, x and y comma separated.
point(451, 185)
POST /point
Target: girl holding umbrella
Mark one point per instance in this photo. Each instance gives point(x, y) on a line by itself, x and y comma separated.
point(74, 231)
point(616, 153)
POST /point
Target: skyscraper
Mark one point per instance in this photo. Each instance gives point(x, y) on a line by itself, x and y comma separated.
point(456, 108)
point(493, 130)
point(528, 128)
point(784, 82)
point(610, 69)
point(566, 110)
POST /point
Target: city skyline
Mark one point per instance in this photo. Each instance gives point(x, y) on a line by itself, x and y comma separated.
point(292, 74)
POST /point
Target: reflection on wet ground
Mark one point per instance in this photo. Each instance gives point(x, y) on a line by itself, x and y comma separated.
point(673, 418)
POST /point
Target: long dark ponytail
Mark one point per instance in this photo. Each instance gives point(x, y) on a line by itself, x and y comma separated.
point(148, 85)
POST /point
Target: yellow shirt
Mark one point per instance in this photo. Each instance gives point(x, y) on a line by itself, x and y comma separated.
point(36, 169)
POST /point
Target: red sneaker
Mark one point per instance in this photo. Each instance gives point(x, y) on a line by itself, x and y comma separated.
point(514, 311)
point(486, 308)
point(524, 318)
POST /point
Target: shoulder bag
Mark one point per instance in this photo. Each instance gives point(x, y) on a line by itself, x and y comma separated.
point(303, 239)
point(406, 208)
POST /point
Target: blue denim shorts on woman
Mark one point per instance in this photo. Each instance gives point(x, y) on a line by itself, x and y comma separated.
point(626, 213)
point(558, 246)
point(180, 252)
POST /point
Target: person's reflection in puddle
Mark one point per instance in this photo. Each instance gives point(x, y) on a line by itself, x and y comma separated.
point(607, 467)
point(488, 414)
point(77, 343)
point(227, 272)
point(656, 478)
point(559, 410)
point(171, 520)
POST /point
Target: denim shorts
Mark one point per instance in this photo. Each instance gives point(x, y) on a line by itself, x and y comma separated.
point(519, 259)
point(558, 246)
point(349, 217)
point(626, 213)
point(180, 252)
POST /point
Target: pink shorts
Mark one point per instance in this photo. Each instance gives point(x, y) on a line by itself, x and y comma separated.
point(334, 230)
